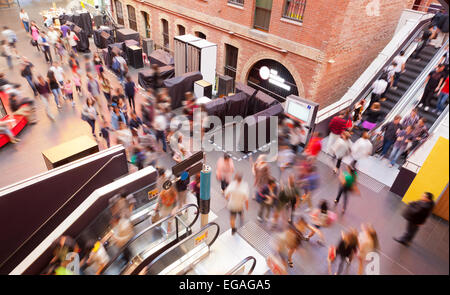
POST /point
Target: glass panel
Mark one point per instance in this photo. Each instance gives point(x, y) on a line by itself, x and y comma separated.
point(267, 4)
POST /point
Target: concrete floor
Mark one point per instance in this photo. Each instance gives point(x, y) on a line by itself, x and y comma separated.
point(429, 253)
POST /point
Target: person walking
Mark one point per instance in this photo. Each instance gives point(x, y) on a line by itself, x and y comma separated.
point(372, 116)
point(106, 88)
point(337, 126)
point(378, 89)
point(89, 114)
point(68, 91)
point(237, 195)
point(400, 60)
point(403, 139)
point(322, 217)
point(390, 134)
point(287, 199)
point(362, 148)
point(309, 183)
point(119, 66)
point(160, 125)
point(53, 36)
point(58, 71)
point(43, 89)
point(10, 37)
point(73, 40)
point(224, 171)
point(45, 46)
point(7, 53)
point(367, 243)
point(130, 92)
point(25, 20)
point(182, 189)
point(347, 180)
point(416, 214)
point(346, 249)
point(167, 204)
point(423, 42)
point(442, 98)
point(94, 90)
point(341, 148)
point(433, 82)
point(116, 117)
point(266, 198)
point(35, 35)
point(419, 134)
point(55, 87)
point(27, 73)
point(410, 120)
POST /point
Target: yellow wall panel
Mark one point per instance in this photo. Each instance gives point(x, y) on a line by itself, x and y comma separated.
point(433, 175)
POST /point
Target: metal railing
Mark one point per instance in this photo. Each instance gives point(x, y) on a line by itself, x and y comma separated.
point(294, 9)
point(403, 45)
point(155, 225)
point(235, 270)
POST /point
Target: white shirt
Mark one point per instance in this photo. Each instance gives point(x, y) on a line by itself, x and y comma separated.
point(53, 36)
point(59, 73)
point(362, 148)
point(160, 122)
point(9, 35)
point(400, 60)
point(341, 148)
point(379, 86)
point(72, 40)
point(24, 16)
point(121, 61)
point(238, 195)
point(390, 72)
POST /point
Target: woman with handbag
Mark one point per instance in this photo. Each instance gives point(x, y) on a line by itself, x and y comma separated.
point(265, 197)
point(372, 116)
point(166, 205)
point(89, 114)
point(34, 35)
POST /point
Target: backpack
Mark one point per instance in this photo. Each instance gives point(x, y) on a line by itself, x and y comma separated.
point(115, 65)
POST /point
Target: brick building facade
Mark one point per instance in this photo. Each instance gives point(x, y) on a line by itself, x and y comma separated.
point(325, 49)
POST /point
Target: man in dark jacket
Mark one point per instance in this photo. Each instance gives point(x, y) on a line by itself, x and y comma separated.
point(416, 214)
point(390, 134)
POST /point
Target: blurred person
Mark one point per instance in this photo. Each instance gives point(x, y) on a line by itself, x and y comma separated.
point(106, 88)
point(63, 246)
point(362, 148)
point(77, 82)
point(322, 217)
point(160, 125)
point(55, 87)
point(68, 91)
point(419, 134)
point(98, 64)
point(27, 72)
point(25, 20)
point(295, 136)
point(157, 83)
point(341, 148)
point(372, 116)
point(123, 108)
point(314, 145)
point(442, 97)
point(124, 136)
point(6, 52)
point(400, 60)
point(118, 94)
point(410, 120)
point(404, 137)
point(11, 37)
point(34, 35)
point(43, 42)
point(122, 204)
point(346, 249)
point(116, 117)
point(43, 89)
point(423, 42)
point(130, 92)
point(94, 90)
point(309, 183)
point(390, 134)
point(122, 231)
point(119, 66)
point(237, 195)
point(347, 180)
point(194, 186)
point(367, 242)
point(74, 63)
point(53, 36)
point(390, 72)
point(73, 40)
point(416, 214)
point(98, 258)
point(138, 157)
point(287, 199)
point(261, 172)
point(357, 111)
point(265, 198)
point(182, 189)
point(135, 125)
point(336, 126)
point(167, 204)
point(224, 171)
point(89, 65)
point(378, 89)
point(58, 71)
point(104, 132)
point(433, 84)
point(4, 129)
point(89, 114)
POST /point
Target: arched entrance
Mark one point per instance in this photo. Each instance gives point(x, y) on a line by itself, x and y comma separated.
point(273, 78)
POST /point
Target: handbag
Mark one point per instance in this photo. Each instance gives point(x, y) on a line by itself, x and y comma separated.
point(368, 125)
point(33, 42)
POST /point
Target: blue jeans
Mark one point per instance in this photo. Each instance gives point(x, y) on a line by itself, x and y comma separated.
point(57, 93)
point(395, 154)
point(26, 25)
point(9, 61)
point(442, 101)
point(386, 146)
point(161, 135)
point(30, 81)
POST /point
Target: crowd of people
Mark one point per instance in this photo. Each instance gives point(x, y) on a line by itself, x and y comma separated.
point(285, 203)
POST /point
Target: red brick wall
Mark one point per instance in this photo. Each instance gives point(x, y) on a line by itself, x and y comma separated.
point(341, 30)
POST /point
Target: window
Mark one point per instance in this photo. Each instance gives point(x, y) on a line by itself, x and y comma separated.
point(294, 9)
point(231, 59)
point(181, 30)
point(263, 10)
point(200, 35)
point(132, 17)
point(119, 13)
point(237, 2)
point(146, 18)
point(165, 25)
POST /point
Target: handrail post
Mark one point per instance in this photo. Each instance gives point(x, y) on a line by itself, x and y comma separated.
point(176, 226)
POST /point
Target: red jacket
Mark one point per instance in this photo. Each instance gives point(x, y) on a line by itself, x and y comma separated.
point(337, 125)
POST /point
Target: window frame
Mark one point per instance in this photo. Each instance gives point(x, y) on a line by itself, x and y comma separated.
point(179, 26)
point(166, 36)
point(301, 8)
point(257, 26)
point(119, 16)
point(132, 23)
point(228, 68)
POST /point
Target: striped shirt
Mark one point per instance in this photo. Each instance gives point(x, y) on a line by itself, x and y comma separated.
point(337, 125)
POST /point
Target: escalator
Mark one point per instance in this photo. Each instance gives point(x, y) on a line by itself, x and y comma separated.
point(245, 267)
point(152, 241)
point(182, 258)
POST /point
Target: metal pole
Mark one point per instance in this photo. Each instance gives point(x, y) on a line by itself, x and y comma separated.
point(205, 193)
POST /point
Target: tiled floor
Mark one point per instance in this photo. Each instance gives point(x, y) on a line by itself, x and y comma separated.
point(429, 254)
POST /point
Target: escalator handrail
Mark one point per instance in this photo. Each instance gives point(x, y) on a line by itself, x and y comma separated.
point(366, 91)
point(410, 93)
point(153, 261)
point(242, 263)
point(154, 225)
